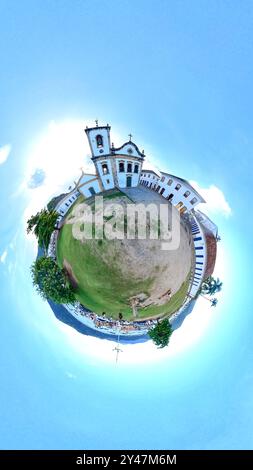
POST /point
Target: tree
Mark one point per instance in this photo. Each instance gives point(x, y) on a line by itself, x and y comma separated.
point(161, 333)
point(51, 282)
point(211, 286)
point(213, 302)
point(42, 225)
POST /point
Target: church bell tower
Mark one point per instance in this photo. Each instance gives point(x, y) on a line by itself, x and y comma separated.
point(99, 140)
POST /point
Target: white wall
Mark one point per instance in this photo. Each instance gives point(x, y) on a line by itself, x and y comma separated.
point(64, 205)
point(200, 256)
point(105, 133)
point(85, 188)
point(178, 195)
point(85, 178)
point(123, 175)
point(107, 180)
point(125, 149)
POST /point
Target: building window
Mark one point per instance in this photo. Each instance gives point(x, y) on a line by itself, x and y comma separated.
point(178, 186)
point(187, 193)
point(145, 175)
point(99, 140)
point(153, 177)
point(136, 168)
point(107, 181)
point(194, 200)
point(129, 167)
point(162, 191)
point(121, 167)
point(105, 169)
point(170, 181)
point(162, 179)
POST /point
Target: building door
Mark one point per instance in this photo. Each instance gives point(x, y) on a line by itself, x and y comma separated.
point(92, 191)
point(129, 181)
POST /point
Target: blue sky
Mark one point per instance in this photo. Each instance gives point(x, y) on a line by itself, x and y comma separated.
point(179, 77)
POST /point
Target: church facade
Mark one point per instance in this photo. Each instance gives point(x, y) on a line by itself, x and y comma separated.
point(114, 167)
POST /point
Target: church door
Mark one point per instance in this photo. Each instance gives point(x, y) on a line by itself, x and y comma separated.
point(92, 191)
point(129, 181)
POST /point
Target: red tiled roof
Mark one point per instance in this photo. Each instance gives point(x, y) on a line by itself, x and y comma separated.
point(211, 248)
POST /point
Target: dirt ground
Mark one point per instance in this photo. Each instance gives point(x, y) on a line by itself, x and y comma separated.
point(71, 276)
point(164, 270)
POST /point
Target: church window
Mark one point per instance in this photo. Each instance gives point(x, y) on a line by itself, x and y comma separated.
point(105, 169)
point(129, 167)
point(99, 140)
point(178, 186)
point(187, 193)
point(136, 168)
point(121, 167)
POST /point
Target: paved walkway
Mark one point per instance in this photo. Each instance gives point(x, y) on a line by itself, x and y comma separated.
point(142, 194)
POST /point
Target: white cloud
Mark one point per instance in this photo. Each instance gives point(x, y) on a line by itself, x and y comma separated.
point(215, 200)
point(4, 153)
point(3, 257)
point(59, 152)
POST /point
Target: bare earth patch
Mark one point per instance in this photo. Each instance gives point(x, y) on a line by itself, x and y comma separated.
point(68, 269)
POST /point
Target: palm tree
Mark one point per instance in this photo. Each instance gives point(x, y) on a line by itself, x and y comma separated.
point(211, 286)
point(212, 301)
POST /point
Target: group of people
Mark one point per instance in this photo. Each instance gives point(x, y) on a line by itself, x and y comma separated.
point(121, 325)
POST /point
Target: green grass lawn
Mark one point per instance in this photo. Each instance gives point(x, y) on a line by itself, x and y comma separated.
point(170, 307)
point(101, 286)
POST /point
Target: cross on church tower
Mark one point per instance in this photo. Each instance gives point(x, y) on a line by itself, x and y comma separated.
point(130, 137)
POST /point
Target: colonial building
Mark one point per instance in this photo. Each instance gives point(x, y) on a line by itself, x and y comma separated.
point(115, 167)
point(177, 190)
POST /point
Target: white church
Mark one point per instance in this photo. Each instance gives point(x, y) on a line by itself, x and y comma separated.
point(122, 167)
point(115, 167)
